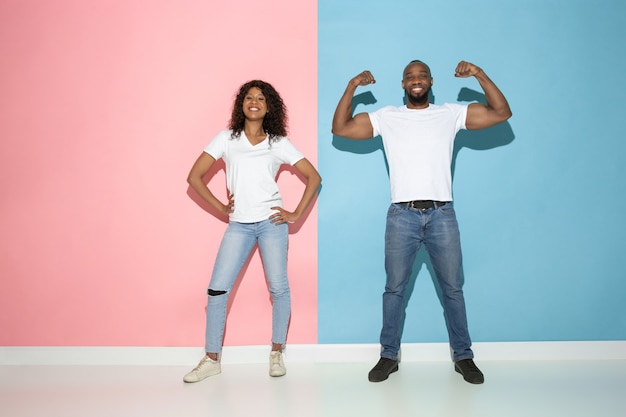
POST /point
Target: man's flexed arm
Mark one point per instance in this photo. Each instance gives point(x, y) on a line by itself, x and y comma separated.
point(497, 110)
point(344, 124)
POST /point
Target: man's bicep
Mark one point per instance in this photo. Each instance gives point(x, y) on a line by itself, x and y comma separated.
point(480, 116)
point(360, 127)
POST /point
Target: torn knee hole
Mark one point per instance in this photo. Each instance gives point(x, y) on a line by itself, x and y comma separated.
point(213, 293)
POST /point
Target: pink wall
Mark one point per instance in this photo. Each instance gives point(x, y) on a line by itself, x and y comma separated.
point(104, 106)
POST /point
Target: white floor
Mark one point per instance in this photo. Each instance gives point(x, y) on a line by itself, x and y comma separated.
point(429, 389)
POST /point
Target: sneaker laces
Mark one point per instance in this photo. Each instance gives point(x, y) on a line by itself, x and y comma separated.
point(203, 361)
point(276, 356)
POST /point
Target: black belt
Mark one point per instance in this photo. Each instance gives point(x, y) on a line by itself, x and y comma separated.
point(424, 204)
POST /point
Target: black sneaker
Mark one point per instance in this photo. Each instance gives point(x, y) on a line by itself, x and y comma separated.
point(470, 371)
point(383, 368)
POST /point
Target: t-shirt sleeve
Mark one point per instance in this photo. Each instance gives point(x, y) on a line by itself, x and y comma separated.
point(216, 147)
point(290, 155)
point(461, 115)
point(375, 120)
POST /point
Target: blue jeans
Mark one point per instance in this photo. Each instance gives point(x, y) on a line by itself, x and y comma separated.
point(237, 244)
point(438, 230)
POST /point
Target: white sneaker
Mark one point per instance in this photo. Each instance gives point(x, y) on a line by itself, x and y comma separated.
point(206, 367)
point(277, 366)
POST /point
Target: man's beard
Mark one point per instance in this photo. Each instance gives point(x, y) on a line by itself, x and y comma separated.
point(418, 101)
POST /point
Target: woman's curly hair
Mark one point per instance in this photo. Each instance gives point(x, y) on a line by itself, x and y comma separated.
point(274, 122)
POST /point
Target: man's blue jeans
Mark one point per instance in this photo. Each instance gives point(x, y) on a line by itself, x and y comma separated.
point(237, 244)
point(436, 228)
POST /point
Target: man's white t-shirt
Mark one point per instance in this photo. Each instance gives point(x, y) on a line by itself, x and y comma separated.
point(251, 172)
point(419, 145)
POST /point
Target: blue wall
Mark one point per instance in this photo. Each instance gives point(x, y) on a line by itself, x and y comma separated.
point(540, 199)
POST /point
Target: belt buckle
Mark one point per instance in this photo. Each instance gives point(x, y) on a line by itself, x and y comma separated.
point(417, 205)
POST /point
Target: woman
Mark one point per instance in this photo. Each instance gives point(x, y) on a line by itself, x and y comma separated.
point(253, 149)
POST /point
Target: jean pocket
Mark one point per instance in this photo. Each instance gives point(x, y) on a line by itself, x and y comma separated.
point(447, 209)
point(395, 209)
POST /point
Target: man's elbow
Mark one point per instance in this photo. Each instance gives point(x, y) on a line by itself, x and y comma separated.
point(341, 128)
point(342, 133)
point(503, 115)
point(337, 130)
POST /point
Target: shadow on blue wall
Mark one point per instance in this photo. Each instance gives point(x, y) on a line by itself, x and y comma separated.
point(480, 140)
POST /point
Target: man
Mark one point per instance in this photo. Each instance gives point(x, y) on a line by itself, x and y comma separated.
point(418, 139)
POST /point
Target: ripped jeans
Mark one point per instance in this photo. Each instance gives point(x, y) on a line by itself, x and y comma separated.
point(237, 244)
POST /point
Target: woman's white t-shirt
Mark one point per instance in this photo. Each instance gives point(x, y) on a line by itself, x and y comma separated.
point(251, 172)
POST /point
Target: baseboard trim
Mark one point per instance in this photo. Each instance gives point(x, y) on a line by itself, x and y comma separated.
point(314, 353)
